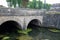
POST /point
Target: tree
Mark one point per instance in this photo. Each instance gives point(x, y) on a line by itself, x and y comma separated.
point(24, 3)
point(39, 3)
point(47, 6)
point(19, 2)
point(30, 5)
point(13, 3)
point(35, 4)
point(9, 3)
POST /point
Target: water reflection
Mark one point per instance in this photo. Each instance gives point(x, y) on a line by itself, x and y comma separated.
point(44, 34)
point(36, 34)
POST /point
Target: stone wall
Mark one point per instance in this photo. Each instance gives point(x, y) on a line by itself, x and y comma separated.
point(52, 20)
point(20, 12)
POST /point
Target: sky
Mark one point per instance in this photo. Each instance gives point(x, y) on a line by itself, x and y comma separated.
point(4, 3)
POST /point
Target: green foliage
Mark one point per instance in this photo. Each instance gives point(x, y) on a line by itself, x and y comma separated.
point(6, 38)
point(38, 5)
point(34, 3)
point(14, 3)
point(19, 2)
point(25, 31)
point(47, 6)
point(54, 30)
point(31, 4)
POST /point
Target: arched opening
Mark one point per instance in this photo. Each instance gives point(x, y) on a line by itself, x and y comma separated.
point(9, 27)
point(34, 25)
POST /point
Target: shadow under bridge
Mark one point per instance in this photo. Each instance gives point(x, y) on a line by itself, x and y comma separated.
point(9, 27)
point(35, 23)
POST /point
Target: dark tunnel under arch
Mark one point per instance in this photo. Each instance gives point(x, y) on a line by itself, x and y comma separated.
point(9, 26)
point(35, 23)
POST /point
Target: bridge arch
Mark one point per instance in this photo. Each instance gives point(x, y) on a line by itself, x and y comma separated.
point(34, 23)
point(13, 18)
point(10, 26)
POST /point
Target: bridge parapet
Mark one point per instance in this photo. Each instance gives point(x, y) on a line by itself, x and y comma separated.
point(20, 12)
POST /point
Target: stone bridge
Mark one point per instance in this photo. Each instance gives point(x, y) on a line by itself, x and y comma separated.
point(21, 16)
